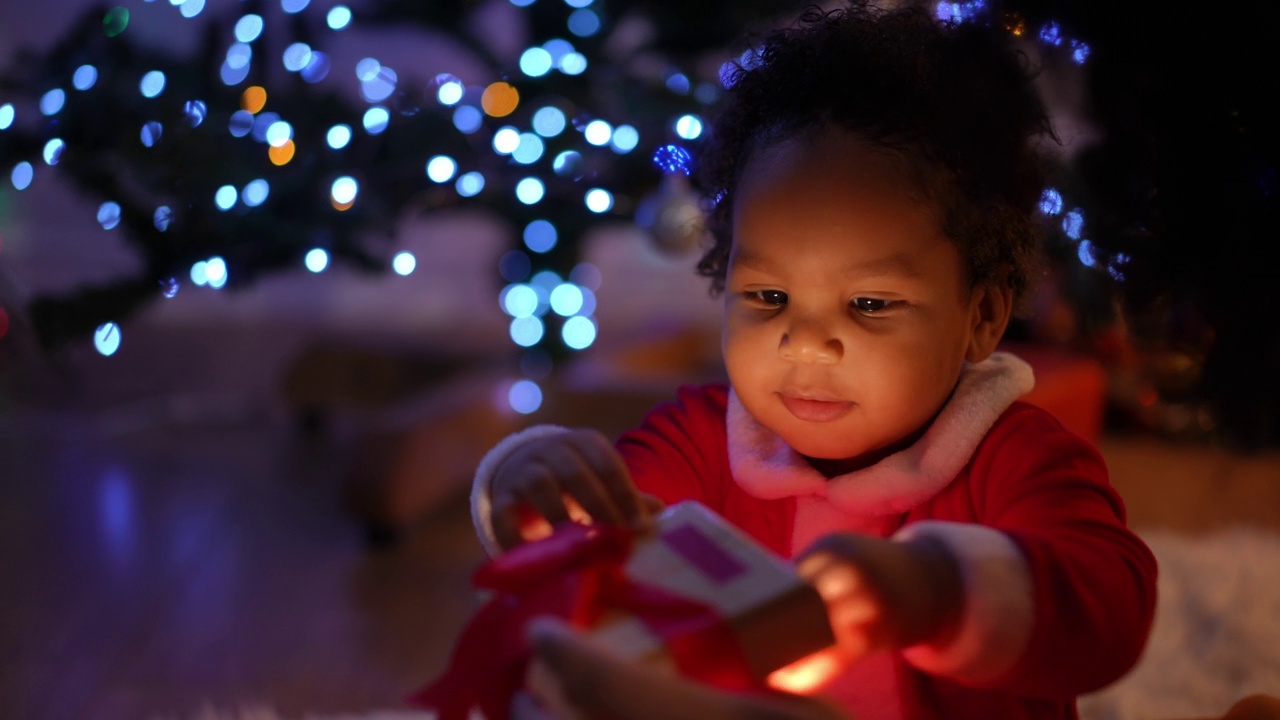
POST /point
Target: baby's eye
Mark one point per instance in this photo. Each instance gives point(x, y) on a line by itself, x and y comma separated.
point(872, 306)
point(772, 298)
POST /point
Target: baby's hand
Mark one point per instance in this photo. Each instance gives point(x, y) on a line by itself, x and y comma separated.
point(576, 475)
point(885, 595)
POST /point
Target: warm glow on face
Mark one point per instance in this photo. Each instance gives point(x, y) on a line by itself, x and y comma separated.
point(500, 99)
point(253, 99)
point(806, 674)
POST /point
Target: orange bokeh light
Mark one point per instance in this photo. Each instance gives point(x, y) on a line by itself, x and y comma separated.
point(282, 153)
point(341, 206)
point(807, 673)
point(253, 99)
point(500, 99)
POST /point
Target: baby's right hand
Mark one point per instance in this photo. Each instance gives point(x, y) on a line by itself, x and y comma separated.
point(576, 475)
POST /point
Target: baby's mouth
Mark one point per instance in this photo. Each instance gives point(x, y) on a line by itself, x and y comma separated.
point(818, 411)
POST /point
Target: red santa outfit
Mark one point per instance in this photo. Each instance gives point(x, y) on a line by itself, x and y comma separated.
point(1060, 595)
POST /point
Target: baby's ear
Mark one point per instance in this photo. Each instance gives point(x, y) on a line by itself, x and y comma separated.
point(989, 309)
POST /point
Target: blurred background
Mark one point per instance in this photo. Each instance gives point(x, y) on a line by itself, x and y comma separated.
point(274, 274)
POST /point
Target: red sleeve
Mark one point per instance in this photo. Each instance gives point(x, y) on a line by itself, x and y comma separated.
point(679, 450)
point(1093, 580)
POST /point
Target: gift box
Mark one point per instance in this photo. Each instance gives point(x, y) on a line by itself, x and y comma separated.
point(697, 596)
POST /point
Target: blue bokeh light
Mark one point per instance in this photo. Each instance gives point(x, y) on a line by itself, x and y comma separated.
point(673, 159)
point(529, 149)
point(106, 339)
point(109, 215)
point(548, 121)
point(1050, 202)
point(535, 62)
point(339, 17)
point(53, 151)
point(404, 263)
point(255, 192)
point(467, 119)
point(152, 84)
point(344, 190)
point(338, 136)
point(225, 197)
point(248, 28)
point(525, 396)
point(151, 133)
point(441, 168)
point(578, 332)
point(584, 22)
point(195, 111)
point(526, 331)
point(316, 260)
point(540, 236)
point(530, 190)
point(519, 301)
point(84, 78)
point(470, 184)
point(375, 120)
point(51, 102)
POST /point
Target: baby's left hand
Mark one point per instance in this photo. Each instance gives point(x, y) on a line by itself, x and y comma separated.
point(593, 684)
point(885, 595)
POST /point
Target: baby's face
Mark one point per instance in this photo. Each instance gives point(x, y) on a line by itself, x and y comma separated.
point(847, 314)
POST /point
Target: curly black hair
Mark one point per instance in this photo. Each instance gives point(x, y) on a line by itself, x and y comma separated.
point(956, 100)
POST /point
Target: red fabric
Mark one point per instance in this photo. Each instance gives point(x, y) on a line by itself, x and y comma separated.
point(575, 574)
point(1041, 484)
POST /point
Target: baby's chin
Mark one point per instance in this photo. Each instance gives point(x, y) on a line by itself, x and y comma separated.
point(834, 450)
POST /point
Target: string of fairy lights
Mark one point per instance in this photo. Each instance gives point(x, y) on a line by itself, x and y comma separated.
point(544, 144)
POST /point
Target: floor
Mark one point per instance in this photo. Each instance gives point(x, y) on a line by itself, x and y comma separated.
point(170, 552)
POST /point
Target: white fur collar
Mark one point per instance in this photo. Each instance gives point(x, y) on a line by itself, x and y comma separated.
point(768, 468)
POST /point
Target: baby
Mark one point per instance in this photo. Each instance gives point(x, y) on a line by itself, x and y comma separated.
point(875, 181)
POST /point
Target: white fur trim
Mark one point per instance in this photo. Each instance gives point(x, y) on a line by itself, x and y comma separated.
point(998, 613)
point(481, 502)
point(768, 468)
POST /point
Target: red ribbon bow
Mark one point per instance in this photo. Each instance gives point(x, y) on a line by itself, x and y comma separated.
point(575, 574)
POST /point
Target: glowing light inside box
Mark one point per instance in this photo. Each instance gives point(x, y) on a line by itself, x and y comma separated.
point(806, 674)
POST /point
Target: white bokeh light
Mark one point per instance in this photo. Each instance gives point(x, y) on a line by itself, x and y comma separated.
point(316, 260)
point(404, 263)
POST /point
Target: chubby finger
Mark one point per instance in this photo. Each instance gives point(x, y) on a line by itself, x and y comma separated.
point(595, 684)
point(599, 454)
point(545, 496)
point(600, 483)
point(504, 518)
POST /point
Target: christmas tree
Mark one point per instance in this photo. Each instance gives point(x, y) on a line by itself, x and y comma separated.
point(242, 158)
